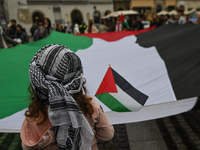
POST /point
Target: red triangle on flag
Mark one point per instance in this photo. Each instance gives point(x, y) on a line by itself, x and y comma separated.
point(122, 18)
point(108, 83)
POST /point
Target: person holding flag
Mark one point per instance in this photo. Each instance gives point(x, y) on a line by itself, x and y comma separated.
point(124, 22)
point(121, 22)
point(118, 26)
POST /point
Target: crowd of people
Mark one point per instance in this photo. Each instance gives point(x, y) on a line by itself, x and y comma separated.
point(40, 31)
point(115, 24)
point(13, 35)
point(16, 34)
point(180, 19)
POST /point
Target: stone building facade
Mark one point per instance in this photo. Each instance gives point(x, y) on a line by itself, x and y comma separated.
point(121, 4)
point(154, 6)
point(63, 11)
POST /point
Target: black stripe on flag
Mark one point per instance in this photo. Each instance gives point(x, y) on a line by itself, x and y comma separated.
point(129, 89)
point(179, 47)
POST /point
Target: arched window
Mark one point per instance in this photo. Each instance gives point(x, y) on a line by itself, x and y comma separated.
point(120, 9)
point(107, 12)
point(76, 16)
point(38, 17)
point(97, 16)
point(170, 8)
point(158, 8)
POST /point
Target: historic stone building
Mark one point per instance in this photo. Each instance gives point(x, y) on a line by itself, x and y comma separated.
point(121, 4)
point(189, 4)
point(152, 6)
point(64, 11)
point(155, 6)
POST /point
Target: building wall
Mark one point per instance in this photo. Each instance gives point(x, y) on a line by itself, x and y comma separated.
point(47, 10)
point(86, 8)
point(170, 3)
point(20, 12)
point(157, 4)
point(142, 3)
point(121, 4)
point(188, 4)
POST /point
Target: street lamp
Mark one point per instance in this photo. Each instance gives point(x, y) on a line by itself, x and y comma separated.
point(96, 15)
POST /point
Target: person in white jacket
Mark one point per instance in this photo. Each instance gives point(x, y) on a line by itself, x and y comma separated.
point(76, 29)
point(91, 28)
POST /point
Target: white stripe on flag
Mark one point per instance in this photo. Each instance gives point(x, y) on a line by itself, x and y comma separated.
point(13, 123)
point(126, 100)
point(152, 112)
point(141, 67)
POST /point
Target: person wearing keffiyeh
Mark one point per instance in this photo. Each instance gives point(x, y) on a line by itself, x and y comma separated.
point(61, 115)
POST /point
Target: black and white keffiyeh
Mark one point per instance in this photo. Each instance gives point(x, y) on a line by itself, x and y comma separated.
point(55, 73)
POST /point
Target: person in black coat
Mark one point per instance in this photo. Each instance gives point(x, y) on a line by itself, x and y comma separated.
point(4, 40)
point(47, 28)
point(59, 28)
point(21, 34)
point(160, 21)
point(33, 29)
point(13, 29)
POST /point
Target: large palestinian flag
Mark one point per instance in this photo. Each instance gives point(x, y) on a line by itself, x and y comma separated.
point(163, 64)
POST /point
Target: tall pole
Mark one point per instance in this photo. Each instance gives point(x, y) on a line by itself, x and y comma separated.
point(127, 3)
point(2, 6)
point(182, 2)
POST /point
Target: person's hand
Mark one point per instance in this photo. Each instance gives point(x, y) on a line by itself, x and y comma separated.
point(19, 42)
point(194, 22)
point(45, 25)
point(9, 46)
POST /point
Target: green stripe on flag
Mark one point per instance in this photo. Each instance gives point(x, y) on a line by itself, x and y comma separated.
point(14, 66)
point(125, 24)
point(10, 107)
point(112, 103)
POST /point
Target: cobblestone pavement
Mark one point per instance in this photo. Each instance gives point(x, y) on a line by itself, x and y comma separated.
point(119, 142)
point(179, 132)
point(10, 141)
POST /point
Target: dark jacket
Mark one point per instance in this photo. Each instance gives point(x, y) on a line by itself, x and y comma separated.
point(12, 32)
point(37, 35)
point(32, 30)
point(63, 30)
point(46, 31)
point(23, 36)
